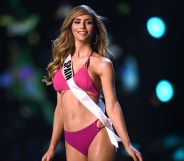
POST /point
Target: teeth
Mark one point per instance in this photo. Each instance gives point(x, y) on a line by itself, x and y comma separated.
point(82, 32)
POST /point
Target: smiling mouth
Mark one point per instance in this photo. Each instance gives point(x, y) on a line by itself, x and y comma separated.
point(82, 32)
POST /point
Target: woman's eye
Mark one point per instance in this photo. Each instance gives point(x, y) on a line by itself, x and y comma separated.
point(77, 22)
point(89, 22)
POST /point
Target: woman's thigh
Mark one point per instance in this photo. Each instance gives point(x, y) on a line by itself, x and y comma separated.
point(101, 149)
point(74, 155)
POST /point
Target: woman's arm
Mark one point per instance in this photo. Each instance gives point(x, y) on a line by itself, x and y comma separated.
point(57, 124)
point(113, 107)
point(57, 130)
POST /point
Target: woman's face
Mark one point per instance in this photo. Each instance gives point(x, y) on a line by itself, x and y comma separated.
point(82, 28)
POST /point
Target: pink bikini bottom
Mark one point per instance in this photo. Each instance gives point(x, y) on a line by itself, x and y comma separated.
point(82, 139)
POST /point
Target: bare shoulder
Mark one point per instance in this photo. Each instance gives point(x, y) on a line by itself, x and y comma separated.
point(101, 63)
point(100, 60)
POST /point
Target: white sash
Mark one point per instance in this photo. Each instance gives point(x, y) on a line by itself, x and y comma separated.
point(97, 110)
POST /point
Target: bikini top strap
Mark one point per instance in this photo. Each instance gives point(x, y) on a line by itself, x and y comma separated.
point(88, 61)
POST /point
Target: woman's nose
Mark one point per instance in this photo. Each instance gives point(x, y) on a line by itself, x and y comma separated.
point(83, 25)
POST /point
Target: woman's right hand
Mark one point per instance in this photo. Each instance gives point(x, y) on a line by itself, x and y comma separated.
point(48, 156)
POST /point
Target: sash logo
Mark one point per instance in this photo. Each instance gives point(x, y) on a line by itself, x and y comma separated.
point(68, 70)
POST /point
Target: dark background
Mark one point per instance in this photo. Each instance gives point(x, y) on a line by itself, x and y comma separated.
point(27, 29)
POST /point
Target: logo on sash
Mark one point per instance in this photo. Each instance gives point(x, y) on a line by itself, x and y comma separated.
point(68, 69)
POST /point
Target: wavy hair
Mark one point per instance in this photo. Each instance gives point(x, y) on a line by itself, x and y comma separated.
point(64, 44)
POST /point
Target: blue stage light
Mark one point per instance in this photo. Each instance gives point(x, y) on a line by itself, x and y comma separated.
point(156, 27)
point(164, 91)
point(179, 154)
point(129, 74)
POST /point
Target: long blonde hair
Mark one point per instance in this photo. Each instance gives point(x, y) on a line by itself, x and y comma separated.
point(65, 44)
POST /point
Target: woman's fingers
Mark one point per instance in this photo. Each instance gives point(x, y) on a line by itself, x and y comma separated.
point(44, 158)
point(139, 156)
point(134, 153)
point(134, 157)
point(48, 155)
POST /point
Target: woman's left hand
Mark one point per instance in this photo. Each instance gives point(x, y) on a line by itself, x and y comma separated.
point(134, 153)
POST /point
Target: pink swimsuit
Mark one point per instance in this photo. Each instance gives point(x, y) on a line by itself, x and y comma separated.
point(81, 78)
point(81, 139)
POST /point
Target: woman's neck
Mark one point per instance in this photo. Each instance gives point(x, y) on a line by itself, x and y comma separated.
point(82, 50)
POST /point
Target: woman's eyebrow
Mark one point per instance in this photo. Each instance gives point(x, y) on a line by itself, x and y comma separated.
point(87, 19)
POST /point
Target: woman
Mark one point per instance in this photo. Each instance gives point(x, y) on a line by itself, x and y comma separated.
point(83, 35)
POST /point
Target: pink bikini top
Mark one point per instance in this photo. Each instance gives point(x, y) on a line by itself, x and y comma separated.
point(81, 78)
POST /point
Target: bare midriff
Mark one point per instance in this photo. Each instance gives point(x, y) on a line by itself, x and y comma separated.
point(76, 116)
